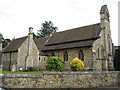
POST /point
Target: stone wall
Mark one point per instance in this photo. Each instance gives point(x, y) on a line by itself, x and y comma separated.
point(9, 59)
point(26, 59)
point(61, 80)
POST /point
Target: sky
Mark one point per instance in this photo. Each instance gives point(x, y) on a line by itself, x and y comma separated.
point(16, 16)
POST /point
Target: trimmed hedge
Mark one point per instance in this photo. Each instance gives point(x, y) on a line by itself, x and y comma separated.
point(55, 63)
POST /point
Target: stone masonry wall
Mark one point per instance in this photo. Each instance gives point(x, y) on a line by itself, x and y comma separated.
point(6, 60)
point(34, 56)
point(73, 53)
point(61, 80)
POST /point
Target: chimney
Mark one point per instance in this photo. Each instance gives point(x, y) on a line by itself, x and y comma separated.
point(29, 58)
point(30, 30)
point(30, 39)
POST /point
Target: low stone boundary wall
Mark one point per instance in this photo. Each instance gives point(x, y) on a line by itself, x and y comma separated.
point(61, 80)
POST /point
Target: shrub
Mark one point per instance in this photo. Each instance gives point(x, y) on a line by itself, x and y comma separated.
point(76, 64)
point(55, 63)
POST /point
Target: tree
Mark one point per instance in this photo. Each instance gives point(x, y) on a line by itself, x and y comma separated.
point(5, 42)
point(47, 29)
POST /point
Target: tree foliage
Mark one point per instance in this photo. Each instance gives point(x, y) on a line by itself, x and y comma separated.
point(55, 63)
point(5, 42)
point(117, 60)
point(47, 29)
point(76, 64)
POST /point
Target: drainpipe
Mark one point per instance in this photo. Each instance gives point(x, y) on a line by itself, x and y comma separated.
point(10, 62)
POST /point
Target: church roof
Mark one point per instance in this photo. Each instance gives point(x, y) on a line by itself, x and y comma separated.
point(78, 37)
point(40, 42)
point(15, 44)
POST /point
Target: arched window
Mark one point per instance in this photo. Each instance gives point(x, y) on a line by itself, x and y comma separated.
point(98, 53)
point(39, 58)
point(81, 55)
point(52, 54)
point(109, 48)
point(65, 56)
point(108, 38)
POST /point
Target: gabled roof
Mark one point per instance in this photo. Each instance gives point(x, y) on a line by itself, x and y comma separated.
point(15, 44)
point(40, 43)
point(62, 46)
point(76, 34)
point(74, 38)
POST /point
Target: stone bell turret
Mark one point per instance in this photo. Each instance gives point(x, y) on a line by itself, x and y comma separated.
point(106, 41)
point(104, 13)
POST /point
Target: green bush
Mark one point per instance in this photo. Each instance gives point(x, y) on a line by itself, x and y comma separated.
point(55, 63)
point(76, 64)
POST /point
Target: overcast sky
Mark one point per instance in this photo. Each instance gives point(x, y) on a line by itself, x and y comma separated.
point(16, 16)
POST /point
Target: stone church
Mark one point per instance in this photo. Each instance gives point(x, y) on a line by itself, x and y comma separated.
point(92, 44)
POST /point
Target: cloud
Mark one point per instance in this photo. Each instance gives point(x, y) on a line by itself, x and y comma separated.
point(16, 16)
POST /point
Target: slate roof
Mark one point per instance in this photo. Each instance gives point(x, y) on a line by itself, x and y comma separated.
point(77, 34)
point(78, 37)
point(68, 45)
point(40, 42)
point(15, 44)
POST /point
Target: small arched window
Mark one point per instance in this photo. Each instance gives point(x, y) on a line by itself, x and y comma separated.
point(98, 53)
point(65, 56)
point(108, 38)
point(81, 55)
point(109, 46)
point(39, 58)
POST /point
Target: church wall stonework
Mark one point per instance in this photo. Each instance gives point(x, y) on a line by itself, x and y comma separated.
point(42, 62)
point(9, 59)
point(73, 53)
point(23, 62)
point(22, 55)
point(5, 58)
point(35, 55)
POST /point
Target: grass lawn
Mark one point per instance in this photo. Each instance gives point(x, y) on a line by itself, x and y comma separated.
point(30, 72)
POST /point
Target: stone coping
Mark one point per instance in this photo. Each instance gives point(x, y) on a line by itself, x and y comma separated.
point(54, 73)
point(90, 72)
point(20, 76)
